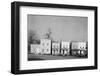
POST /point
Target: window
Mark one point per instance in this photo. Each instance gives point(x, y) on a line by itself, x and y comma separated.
point(47, 49)
point(42, 50)
point(43, 44)
point(47, 43)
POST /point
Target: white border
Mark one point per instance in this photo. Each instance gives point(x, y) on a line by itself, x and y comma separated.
point(26, 65)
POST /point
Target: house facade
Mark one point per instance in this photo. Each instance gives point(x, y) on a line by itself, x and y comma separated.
point(65, 48)
point(82, 48)
point(79, 48)
point(35, 49)
point(55, 48)
point(74, 48)
point(45, 46)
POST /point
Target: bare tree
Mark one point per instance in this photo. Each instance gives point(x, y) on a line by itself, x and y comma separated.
point(48, 34)
point(32, 39)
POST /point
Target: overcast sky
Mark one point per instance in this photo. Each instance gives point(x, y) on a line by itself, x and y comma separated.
point(69, 28)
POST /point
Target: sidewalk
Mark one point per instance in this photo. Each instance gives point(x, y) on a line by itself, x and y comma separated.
point(49, 57)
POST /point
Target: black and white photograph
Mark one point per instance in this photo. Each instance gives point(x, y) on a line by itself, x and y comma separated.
point(57, 37)
point(53, 37)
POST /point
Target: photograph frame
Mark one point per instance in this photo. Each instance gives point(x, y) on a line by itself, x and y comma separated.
point(15, 37)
